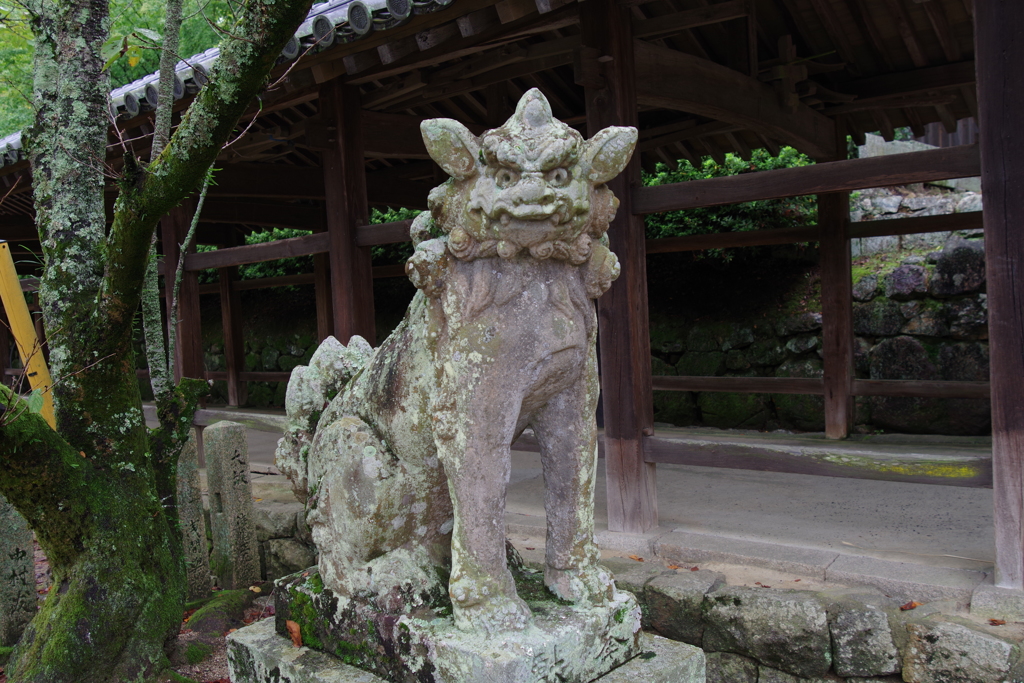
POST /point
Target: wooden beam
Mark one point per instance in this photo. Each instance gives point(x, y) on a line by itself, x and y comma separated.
point(300, 216)
point(316, 243)
point(730, 240)
point(913, 82)
point(256, 253)
point(920, 388)
point(836, 176)
point(392, 136)
point(345, 182)
point(916, 225)
point(659, 27)
point(269, 181)
point(799, 456)
point(675, 80)
point(383, 233)
point(748, 385)
point(623, 318)
point(999, 49)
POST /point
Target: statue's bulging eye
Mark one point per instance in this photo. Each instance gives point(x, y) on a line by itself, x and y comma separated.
point(558, 177)
point(506, 177)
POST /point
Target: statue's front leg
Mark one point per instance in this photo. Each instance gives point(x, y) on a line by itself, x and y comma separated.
point(567, 433)
point(474, 428)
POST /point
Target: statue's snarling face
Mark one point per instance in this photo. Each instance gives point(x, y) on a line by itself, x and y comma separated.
point(533, 184)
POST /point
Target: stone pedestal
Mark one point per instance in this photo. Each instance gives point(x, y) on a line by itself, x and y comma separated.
point(258, 654)
point(17, 574)
point(565, 642)
point(236, 557)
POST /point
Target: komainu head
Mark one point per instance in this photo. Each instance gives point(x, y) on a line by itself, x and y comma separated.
point(533, 185)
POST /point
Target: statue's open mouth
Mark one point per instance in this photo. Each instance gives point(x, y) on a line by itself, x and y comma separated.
point(535, 212)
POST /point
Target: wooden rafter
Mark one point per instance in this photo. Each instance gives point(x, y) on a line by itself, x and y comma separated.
point(719, 93)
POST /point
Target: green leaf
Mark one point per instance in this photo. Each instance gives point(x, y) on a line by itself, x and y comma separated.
point(35, 400)
point(149, 34)
point(113, 49)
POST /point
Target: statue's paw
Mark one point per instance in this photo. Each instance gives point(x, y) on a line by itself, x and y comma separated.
point(493, 615)
point(593, 584)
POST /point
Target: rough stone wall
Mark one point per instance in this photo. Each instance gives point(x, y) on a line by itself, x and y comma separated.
point(920, 312)
point(857, 635)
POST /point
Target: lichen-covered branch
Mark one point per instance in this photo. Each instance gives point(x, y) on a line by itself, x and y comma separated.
point(165, 86)
point(146, 195)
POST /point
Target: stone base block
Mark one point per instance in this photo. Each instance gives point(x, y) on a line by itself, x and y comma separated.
point(257, 654)
point(993, 602)
point(564, 642)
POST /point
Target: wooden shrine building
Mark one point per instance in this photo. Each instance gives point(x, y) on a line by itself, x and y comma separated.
point(339, 132)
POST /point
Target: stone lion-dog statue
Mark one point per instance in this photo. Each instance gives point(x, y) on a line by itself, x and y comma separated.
point(402, 453)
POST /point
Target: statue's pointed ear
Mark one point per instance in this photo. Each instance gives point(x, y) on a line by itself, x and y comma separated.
point(452, 146)
point(608, 152)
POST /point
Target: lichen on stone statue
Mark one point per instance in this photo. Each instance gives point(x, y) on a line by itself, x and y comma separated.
point(402, 453)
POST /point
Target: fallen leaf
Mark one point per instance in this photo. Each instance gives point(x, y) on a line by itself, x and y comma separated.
point(231, 630)
point(997, 622)
point(758, 583)
point(257, 499)
point(796, 580)
point(910, 605)
point(694, 569)
point(636, 557)
point(674, 566)
point(528, 548)
point(305, 574)
point(295, 632)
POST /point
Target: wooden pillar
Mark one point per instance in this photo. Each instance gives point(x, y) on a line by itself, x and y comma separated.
point(322, 291)
point(234, 346)
point(345, 184)
point(999, 54)
point(625, 345)
point(188, 345)
point(836, 312)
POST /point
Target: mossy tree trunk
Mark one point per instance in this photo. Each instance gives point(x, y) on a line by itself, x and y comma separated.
point(99, 491)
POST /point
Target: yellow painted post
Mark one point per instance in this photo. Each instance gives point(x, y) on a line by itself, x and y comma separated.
point(25, 338)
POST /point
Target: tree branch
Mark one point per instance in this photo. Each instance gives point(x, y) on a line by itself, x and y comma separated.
point(238, 76)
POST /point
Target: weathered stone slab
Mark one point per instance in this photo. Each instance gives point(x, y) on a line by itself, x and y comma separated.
point(725, 667)
point(674, 603)
point(257, 654)
point(662, 661)
point(276, 520)
point(17, 574)
point(565, 642)
point(786, 630)
point(684, 546)
point(235, 559)
point(945, 651)
point(905, 581)
point(993, 602)
point(193, 524)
